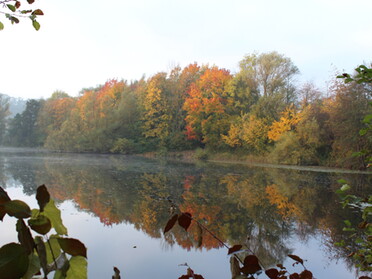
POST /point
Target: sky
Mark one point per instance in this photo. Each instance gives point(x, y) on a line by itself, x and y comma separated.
point(84, 43)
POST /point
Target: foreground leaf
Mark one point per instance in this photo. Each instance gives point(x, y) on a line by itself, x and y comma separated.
point(13, 261)
point(234, 249)
point(18, 209)
point(184, 220)
point(25, 237)
point(251, 265)
point(73, 247)
point(171, 223)
point(296, 258)
point(42, 197)
point(3, 195)
point(78, 268)
point(41, 224)
point(54, 215)
point(33, 266)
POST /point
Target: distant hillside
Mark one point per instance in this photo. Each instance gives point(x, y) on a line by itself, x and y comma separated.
point(16, 105)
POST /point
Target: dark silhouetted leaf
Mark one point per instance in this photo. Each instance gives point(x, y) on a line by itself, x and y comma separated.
point(294, 276)
point(25, 237)
point(17, 208)
point(41, 224)
point(73, 247)
point(3, 195)
point(184, 220)
point(251, 265)
point(36, 25)
point(41, 251)
point(364, 277)
point(13, 261)
point(42, 197)
point(38, 12)
point(198, 276)
point(33, 266)
point(171, 223)
point(184, 277)
point(272, 273)
point(306, 274)
point(30, 1)
point(296, 258)
point(234, 249)
point(116, 273)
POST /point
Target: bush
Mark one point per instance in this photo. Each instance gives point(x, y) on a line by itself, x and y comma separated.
point(201, 154)
point(123, 146)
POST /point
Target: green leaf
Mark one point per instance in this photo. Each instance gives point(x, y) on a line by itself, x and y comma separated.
point(342, 181)
point(41, 224)
point(52, 249)
point(11, 7)
point(345, 187)
point(36, 25)
point(33, 266)
point(17, 208)
point(42, 197)
point(1, 26)
point(54, 215)
point(347, 223)
point(13, 261)
point(73, 247)
point(363, 131)
point(78, 268)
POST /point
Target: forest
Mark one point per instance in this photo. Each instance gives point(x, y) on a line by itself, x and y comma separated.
point(260, 112)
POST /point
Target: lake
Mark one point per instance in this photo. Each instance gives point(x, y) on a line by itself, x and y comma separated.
point(119, 206)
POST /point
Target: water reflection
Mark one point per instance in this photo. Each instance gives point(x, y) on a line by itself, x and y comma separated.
point(262, 208)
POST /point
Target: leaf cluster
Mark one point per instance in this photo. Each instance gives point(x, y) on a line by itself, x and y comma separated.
point(14, 10)
point(45, 252)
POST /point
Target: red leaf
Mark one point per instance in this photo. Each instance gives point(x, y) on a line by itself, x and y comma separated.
point(38, 12)
point(294, 276)
point(251, 265)
point(234, 249)
point(184, 220)
point(171, 223)
point(42, 197)
point(198, 276)
point(272, 273)
point(184, 277)
point(296, 258)
point(73, 247)
point(306, 274)
point(17, 4)
point(30, 1)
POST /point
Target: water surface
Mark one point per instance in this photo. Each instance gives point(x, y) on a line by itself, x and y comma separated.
point(119, 205)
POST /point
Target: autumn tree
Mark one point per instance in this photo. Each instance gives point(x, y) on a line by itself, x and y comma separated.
point(207, 105)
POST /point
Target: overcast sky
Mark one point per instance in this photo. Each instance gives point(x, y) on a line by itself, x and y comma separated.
point(83, 43)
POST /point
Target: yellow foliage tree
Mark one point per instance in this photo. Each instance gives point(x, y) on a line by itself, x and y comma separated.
point(287, 122)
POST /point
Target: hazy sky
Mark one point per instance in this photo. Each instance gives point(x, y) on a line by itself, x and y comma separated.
point(83, 43)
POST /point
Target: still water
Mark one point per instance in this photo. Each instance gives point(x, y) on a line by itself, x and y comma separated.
point(118, 206)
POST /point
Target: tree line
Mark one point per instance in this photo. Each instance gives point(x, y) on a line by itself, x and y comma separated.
point(259, 111)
